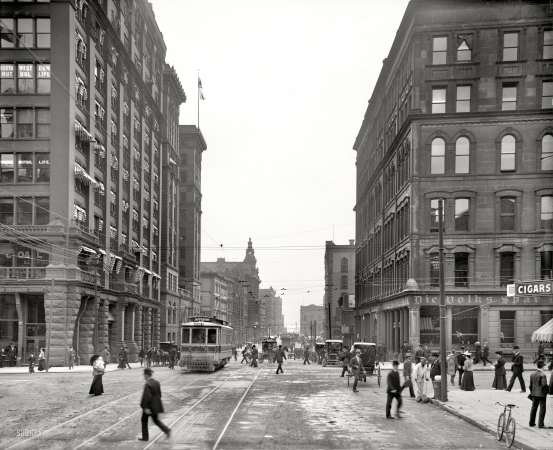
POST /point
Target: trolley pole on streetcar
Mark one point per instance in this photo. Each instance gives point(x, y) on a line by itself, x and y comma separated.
point(443, 366)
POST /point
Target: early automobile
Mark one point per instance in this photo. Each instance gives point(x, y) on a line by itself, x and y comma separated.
point(333, 347)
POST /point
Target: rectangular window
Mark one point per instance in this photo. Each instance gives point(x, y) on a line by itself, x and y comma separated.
point(510, 47)
point(43, 33)
point(507, 214)
point(42, 167)
point(344, 282)
point(438, 100)
point(7, 79)
point(507, 328)
point(506, 268)
point(25, 123)
point(7, 36)
point(6, 211)
point(461, 270)
point(7, 168)
point(509, 97)
point(464, 53)
point(42, 123)
point(461, 214)
point(26, 78)
point(546, 212)
point(42, 213)
point(463, 99)
point(7, 124)
point(434, 270)
point(547, 267)
point(434, 215)
point(439, 50)
point(548, 44)
point(24, 212)
point(547, 95)
point(25, 168)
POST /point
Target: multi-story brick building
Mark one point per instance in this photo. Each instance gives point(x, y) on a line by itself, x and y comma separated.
point(340, 291)
point(312, 316)
point(274, 320)
point(191, 147)
point(81, 138)
point(462, 112)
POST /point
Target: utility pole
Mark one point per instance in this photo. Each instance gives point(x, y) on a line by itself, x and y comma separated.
point(329, 322)
point(443, 366)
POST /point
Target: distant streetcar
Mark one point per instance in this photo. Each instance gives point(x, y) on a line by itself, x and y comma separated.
point(206, 344)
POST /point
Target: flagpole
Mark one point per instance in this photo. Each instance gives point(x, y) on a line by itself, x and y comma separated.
point(198, 100)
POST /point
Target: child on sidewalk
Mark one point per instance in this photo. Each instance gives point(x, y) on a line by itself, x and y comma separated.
point(31, 360)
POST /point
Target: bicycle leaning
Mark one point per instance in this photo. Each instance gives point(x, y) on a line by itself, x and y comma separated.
point(506, 425)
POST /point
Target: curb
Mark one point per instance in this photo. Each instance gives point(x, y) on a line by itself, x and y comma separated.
point(517, 443)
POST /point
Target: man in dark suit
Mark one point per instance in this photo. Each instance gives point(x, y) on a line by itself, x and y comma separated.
point(280, 357)
point(538, 393)
point(381, 352)
point(12, 354)
point(393, 391)
point(357, 368)
point(151, 405)
point(306, 355)
point(407, 371)
point(460, 364)
point(405, 348)
point(126, 357)
point(486, 354)
point(541, 352)
point(517, 368)
point(172, 357)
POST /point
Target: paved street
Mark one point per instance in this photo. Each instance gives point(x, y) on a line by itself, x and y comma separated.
point(238, 407)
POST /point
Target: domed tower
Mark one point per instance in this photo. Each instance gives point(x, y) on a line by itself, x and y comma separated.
point(250, 254)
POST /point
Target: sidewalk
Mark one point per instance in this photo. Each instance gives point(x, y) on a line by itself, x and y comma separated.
point(477, 367)
point(77, 369)
point(478, 407)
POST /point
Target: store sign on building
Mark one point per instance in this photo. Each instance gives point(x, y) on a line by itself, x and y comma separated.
point(351, 301)
point(474, 299)
point(393, 304)
point(542, 287)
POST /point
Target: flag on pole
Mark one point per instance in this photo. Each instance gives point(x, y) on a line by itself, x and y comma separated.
point(200, 89)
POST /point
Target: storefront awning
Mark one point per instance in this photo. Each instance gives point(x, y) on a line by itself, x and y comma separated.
point(545, 333)
point(86, 249)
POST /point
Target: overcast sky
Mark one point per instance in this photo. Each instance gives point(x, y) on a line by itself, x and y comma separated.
point(286, 85)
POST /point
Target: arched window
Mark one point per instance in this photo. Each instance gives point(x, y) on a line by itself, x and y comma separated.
point(462, 147)
point(437, 160)
point(344, 265)
point(174, 313)
point(547, 152)
point(508, 152)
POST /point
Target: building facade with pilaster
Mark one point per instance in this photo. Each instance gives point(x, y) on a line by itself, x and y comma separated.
point(81, 175)
point(461, 112)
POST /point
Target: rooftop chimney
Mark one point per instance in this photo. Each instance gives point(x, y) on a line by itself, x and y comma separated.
point(352, 242)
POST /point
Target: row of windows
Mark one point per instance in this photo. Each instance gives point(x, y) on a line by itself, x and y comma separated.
point(25, 78)
point(395, 276)
point(509, 98)
point(507, 157)
point(25, 211)
point(24, 123)
point(24, 167)
point(25, 33)
point(510, 47)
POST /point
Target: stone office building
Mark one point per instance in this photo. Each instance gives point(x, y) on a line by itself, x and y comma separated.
point(462, 112)
point(80, 175)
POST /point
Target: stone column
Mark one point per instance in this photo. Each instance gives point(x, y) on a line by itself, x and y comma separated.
point(401, 327)
point(103, 326)
point(448, 327)
point(147, 332)
point(390, 333)
point(157, 327)
point(129, 310)
point(414, 326)
point(483, 324)
point(406, 324)
point(138, 325)
point(396, 333)
point(86, 330)
point(120, 323)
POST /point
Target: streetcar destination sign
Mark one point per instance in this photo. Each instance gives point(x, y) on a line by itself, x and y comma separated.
point(542, 287)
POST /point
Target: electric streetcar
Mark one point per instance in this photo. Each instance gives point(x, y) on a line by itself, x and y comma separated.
point(206, 344)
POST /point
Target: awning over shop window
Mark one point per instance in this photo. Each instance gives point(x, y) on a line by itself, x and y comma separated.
point(544, 333)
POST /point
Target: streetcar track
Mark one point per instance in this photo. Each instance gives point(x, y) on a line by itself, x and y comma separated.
point(198, 402)
point(76, 418)
point(234, 411)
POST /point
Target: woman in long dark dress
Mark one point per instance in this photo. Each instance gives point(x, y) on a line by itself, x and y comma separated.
point(41, 360)
point(467, 384)
point(500, 380)
point(98, 369)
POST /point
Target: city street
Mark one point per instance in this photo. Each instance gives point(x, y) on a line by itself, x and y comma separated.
point(237, 407)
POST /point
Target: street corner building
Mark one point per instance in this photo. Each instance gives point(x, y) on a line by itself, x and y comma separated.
point(462, 111)
point(89, 113)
